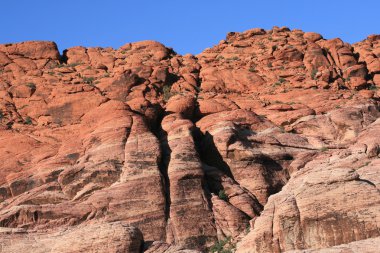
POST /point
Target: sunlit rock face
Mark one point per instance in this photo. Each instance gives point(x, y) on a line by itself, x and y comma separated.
point(266, 142)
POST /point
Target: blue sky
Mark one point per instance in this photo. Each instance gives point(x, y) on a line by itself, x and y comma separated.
point(187, 26)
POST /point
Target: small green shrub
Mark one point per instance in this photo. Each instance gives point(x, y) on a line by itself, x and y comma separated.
point(74, 64)
point(222, 195)
point(313, 73)
point(372, 87)
point(88, 80)
point(269, 65)
point(252, 69)
point(247, 229)
point(323, 149)
point(28, 120)
point(1, 114)
point(262, 117)
point(166, 92)
point(223, 246)
point(31, 85)
point(365, 164)
point(281, 80)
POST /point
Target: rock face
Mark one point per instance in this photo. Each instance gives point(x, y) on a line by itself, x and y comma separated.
point(316, 208)
point(188, 201)
point(368, 246)
point(109, 237)
point(267, 142)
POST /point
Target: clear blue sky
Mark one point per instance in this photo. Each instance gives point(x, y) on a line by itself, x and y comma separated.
point(187, 26)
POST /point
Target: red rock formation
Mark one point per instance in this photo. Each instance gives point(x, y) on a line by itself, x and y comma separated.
point(267, 142)
point(108, 237)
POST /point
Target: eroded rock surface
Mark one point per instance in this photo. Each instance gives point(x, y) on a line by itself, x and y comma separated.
point(266, 142)
point(107, 238)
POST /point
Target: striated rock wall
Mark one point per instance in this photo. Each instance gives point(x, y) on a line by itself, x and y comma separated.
point(107, 238)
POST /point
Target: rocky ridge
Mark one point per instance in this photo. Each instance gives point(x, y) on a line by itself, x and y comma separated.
point(267, 142)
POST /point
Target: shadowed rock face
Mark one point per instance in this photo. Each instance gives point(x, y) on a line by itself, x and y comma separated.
point(267, 142)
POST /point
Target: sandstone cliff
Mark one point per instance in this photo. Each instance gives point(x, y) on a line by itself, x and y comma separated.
point(267, 142)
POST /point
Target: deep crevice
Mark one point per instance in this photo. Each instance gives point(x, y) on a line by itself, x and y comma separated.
point(164, 163)
point(209, 153)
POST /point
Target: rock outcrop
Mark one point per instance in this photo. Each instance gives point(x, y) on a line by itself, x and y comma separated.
point(107, 238)
point(266, 142)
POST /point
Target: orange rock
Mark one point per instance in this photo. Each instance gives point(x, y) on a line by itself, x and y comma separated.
point(312, 36)
point(32, 49)
point(259, 129)
point(112, 237)
point(184, 105)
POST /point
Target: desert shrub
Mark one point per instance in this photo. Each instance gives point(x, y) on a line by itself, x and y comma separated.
point(88, 80)
point(223, 246)
point(31, 85)
point(222, 195)
point(166, 92)
point(313, 73)
point(28, 120)
point(372, 87)
point(74, 64)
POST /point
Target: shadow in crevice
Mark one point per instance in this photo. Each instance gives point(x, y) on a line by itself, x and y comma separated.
point(156, 128)
point(163, 166)
point(208, 152)
point(272, 174)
